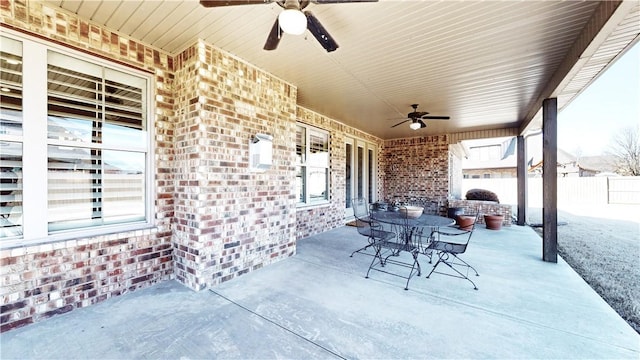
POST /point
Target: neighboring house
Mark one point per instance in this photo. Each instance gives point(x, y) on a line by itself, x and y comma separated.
point(567, 165)
point(497, 158)
point(490, 158)
point(602, 164)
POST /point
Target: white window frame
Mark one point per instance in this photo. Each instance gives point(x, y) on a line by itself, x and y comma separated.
point(304, 165)
point(35, 142)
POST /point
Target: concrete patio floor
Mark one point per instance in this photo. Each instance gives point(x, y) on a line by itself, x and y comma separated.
point(318, 304)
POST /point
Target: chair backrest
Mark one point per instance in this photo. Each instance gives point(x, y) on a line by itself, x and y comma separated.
point(360, 208)
point(460, 237)
point(364, 227)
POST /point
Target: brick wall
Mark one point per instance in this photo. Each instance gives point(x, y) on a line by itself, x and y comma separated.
point(416, 168)
point(229, 220)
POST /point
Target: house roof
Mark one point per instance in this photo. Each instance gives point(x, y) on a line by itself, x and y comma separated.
point(599, 163)
point(486, 64)
point(507, 158)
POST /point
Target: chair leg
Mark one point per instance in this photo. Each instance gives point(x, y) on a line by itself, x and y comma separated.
point(378, 257)
point(415, 260)
point(464, 263)
point(434, 267)
point(416, 263)
point(443, 258)
point(363, 248)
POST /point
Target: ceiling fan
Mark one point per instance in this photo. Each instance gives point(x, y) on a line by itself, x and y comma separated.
point(416, 117)
point(291, 20)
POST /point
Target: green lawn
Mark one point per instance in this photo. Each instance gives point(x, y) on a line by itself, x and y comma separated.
point(606, 253)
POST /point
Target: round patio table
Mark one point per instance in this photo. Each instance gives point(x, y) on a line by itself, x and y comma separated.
point(396, 218)
point(411, 238)
point(412, 231)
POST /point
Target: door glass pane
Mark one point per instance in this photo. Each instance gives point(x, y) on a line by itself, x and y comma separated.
point(360, 171)
point(370, 180)
point(349, 149)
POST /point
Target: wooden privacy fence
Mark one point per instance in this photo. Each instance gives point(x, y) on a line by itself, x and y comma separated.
point(571, 190)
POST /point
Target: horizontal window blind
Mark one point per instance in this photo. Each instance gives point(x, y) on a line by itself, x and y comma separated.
point(10, 86)
point(301, 144)
point(318, 149)
point(312, 179)
point(97, 151)
point(11, 224)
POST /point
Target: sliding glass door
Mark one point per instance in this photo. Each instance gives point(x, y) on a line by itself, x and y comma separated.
point(360, 172)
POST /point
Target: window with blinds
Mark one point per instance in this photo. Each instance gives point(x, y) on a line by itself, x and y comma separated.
point(75, 145)
point(312, 179)
point(96, 130)
point(11, 138)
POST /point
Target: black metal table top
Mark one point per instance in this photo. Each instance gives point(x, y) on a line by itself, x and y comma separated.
point(396, 218)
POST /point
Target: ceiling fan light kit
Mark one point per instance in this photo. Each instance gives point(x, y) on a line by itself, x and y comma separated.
point(417, 118)
point(291, 19)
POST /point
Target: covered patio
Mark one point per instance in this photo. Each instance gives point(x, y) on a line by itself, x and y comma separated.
point(317, 304)
point(90, 215)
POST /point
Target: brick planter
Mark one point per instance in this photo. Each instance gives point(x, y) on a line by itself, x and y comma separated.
point(484, 208)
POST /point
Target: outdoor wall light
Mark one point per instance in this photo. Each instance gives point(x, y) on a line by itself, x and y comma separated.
point(260, 153)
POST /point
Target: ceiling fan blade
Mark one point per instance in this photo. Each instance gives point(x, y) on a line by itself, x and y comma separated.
point(400, 123)
point(220, 3)
point(416, 114)
point(430, 117)
point(340, 1)
point(320, 33)
point(422, 124)
point(274, 37)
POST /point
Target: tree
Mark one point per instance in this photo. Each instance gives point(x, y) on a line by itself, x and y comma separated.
point(625, 147)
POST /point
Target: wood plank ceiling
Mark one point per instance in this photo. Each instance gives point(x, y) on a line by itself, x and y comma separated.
point(484, 63)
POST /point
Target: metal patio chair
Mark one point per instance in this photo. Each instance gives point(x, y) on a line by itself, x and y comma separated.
point(448, 244)
point(364, 223)
point(389, 251)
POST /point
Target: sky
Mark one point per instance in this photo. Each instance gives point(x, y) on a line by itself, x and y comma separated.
point(610, 104)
